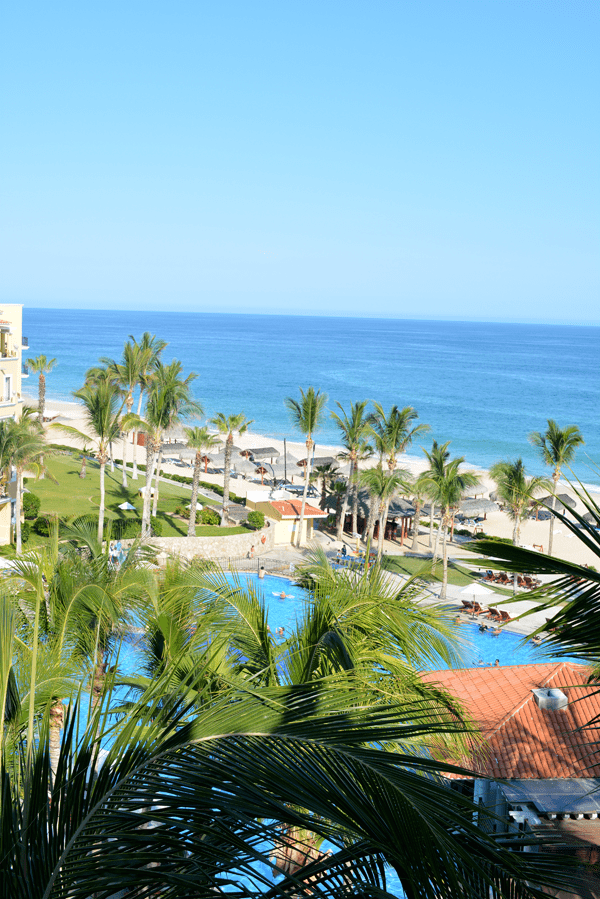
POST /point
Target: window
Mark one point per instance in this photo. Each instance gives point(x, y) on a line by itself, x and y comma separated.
point(7, 388)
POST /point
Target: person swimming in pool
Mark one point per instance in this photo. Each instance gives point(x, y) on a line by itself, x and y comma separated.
point(496, 632)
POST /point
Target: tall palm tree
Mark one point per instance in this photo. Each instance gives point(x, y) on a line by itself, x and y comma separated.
point(327, 474)
point(198, 439)
point(43, 366)
point(557, 448)
point(22, 444)
point(419, 493)
point(148, 350)
point(227, 426)
point(383, 486)
point(437, 457)
point(354, 428)
point(101, 403)
point(127, 374)
point(169, 401)
point(447, 485)
point(395, 431)
point(307, 415)
point(517, 492)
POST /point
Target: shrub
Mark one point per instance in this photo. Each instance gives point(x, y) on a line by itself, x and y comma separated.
point(125, 528)
point(31, 505)
point(181, 510)
point(208, 516)
point(156, 526)
point(256, 519)
point(25, 531)
point(42, 526)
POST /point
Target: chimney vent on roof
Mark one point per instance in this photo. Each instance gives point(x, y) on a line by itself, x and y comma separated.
point(551, 700)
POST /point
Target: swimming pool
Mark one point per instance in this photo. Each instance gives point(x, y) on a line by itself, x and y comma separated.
point(479, 649)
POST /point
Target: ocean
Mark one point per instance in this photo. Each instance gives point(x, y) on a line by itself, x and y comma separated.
point(483, 386)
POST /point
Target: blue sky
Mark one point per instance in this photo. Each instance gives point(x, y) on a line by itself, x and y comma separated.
point(430, 159)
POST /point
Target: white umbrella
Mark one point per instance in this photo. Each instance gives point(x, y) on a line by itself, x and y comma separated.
point(199, 506)
point(127, 507)
point(475, 589)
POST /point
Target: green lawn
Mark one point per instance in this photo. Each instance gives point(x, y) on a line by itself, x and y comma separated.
point(71, 496)
point(459, 575)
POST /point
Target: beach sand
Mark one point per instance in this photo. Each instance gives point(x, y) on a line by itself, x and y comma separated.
point(498, 524)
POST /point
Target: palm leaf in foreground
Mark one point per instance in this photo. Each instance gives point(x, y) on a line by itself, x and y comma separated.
point(183, 809)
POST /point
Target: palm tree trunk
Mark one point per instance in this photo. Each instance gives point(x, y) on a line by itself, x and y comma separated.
point(226, 477)
point(437, 543)
point(555, 477)
point(309, 446)
point(112, 458)
point(156, 481)
point(416, 520)
point(431, 517)
point(382, 520)
point(194, 500)
point(148, 489)
point(83, 469)
point(102, 461)
point(124, 482)
point(370, 522)
point(57, 714)
point(444, 527)
point(355, 499)
point(18, 504)
point(339, 534)
point(516, 538)
point(134, 473)
point(41, 397)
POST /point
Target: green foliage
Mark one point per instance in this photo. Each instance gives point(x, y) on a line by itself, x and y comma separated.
point(31, 505)
point(481, 536)
point(41, 526)
point(156, 526)
point(208, 516)
point(256, 519)
point(25, 531)
point(125, 528)
point(182, 512)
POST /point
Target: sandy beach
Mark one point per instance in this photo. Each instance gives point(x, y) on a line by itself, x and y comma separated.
point(533, 533)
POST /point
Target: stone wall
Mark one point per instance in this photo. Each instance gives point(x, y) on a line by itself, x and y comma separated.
point(231, 546)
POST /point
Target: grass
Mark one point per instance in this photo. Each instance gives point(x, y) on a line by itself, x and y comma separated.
point(70, 496)
point(457, 574)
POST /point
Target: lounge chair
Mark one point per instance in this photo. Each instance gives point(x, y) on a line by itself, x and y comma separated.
point(489, 575)
point(503, 578)
point(521, 581)
point(467, 605)
point(477, 610)
point(494, 614)
point(504, 616)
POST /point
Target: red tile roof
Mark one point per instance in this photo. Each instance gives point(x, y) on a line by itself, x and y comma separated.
point(522, 740)
point(290, 508)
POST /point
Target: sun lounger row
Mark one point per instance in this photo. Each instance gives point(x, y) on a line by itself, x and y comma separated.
point(474, 608)
point(504, 579)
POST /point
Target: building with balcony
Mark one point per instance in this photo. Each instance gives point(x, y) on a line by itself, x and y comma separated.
point(12, 370)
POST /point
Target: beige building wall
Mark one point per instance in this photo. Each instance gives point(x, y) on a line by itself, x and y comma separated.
point(5, 516)
point(11, 360)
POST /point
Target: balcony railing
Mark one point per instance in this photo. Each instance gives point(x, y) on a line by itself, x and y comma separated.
point(25, 343)
point(24, 371)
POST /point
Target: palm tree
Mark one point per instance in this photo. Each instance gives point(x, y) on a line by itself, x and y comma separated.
point(148, 351)
point(517, 492)
point(198, 439)
point(227, 426)
point(327, 475)
point(307, 415)
point(22, 444)
point(354, 428)
point(437, 457)
point(101, 408)
point(382, 486)
point(127, 374)
point(447, 485)
point(419, 493)
point(557, 448)
point(169, 401)
point(395, 431)
point(43, 366)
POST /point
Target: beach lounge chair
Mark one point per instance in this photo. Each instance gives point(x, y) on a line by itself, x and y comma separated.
point(503, 578)
point(467, 605)
point(494, 614)
point(521, 581)
point(477, 610)
point(489, 575)
point(529, 583)
point(504, 616)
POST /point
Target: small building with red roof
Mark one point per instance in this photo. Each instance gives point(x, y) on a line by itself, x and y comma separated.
point(286, 515)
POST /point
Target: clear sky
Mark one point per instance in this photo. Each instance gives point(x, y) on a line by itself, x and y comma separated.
point(423, 159)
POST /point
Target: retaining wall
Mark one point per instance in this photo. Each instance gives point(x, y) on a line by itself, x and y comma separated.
point(233, 545)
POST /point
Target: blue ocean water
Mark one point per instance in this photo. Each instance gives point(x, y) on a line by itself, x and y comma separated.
point(484, 386)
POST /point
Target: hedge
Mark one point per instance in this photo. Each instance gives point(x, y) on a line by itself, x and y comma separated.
point(31, 505)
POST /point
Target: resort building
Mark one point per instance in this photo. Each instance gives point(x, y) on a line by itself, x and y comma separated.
point(285, 516)
point(12, 370)
point(539, 763)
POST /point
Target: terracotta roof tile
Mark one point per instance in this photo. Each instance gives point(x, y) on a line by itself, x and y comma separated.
point(290, 508)
point(522, 740)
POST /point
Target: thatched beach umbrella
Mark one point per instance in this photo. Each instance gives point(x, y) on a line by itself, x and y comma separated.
point(473, 508)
